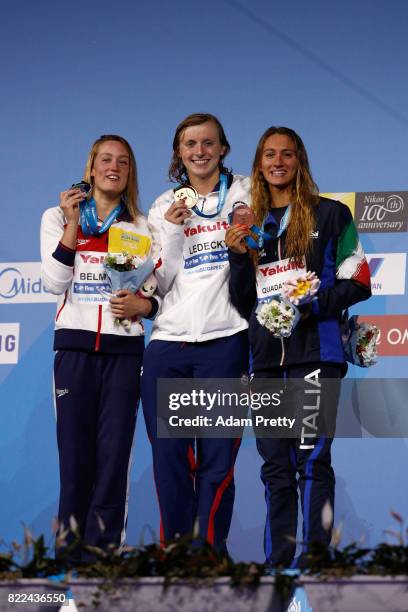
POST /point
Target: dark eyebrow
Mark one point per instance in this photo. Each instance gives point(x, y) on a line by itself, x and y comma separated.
point(281, 150)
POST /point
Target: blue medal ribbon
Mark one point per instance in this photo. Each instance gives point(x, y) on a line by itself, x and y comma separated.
point(262, 235)
point(222, 194)
point(89, 218)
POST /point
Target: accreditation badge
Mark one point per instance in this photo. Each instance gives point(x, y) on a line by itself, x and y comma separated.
point(187, 193)
point(270, 277)
point(121, 240)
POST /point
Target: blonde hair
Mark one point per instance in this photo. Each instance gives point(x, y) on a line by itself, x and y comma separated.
point(130, 196)
point(305, 196)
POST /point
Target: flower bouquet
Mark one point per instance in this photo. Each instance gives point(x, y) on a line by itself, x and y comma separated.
point(360, 342)
point(301, 290)
point(126, 271)
point(279, 316)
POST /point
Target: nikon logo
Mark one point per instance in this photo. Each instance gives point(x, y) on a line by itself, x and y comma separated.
point(381, 212)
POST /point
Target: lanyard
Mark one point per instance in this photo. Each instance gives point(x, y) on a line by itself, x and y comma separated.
point(262, 236)
point(222, 194)
point(284, 222)
point(89, 218)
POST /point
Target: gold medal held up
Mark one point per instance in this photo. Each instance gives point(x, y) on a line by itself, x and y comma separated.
point(188, 193)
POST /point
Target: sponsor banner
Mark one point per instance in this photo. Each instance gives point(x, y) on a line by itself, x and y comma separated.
point(381, 211)
point(21, 283)
point(9, 341)
point(376, 211)
point(393, 338)
point(348, 198)
point(387, 272)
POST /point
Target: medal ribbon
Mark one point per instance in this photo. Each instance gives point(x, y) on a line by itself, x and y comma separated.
point(262, 235)
point(222, 194)
point(89, 218)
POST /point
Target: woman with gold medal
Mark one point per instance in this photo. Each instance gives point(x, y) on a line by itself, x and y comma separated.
point(198, 333)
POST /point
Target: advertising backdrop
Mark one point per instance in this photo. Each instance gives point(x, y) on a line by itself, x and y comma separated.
point(75, 70)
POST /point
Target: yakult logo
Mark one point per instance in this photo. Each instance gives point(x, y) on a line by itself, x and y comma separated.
point(279, 269)
point(92, 259)
point(203, 229)
point(22, 283)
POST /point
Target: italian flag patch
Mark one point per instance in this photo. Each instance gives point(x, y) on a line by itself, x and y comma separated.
point(350, 260)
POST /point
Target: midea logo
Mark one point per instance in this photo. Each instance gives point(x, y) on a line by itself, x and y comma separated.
point(14, 284)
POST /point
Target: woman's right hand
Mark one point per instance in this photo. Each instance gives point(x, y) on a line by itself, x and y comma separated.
point(235, 238)
point(69, 202)
point(177, 212)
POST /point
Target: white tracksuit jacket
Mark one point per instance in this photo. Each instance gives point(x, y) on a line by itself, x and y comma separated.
point(194, 275)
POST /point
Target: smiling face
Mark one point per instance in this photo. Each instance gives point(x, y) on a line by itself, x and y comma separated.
point(279, 162)
point(200, 150)
point(110, 171)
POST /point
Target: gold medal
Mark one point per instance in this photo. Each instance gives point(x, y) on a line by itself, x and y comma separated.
point(187, 193)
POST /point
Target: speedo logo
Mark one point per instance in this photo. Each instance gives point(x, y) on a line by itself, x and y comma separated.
point(92, 259)
point(278, 269)
point(203, 229)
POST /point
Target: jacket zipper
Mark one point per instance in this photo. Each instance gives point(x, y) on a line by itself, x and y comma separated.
point(282, 341)
point(98, 332)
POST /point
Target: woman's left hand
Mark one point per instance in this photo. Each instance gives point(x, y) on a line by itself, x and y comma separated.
point(235, 238)
point(126, 305)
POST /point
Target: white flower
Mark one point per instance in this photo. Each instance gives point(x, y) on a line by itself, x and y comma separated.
point(120, 258)
point(366, 348)
point(278, 317)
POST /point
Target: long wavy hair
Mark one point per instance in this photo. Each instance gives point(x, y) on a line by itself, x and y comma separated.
point(177, 170)
point(304, 196)
point(130, 196)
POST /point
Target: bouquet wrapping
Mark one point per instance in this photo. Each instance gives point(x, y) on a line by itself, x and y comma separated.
point(126, 271)
point(360, 342)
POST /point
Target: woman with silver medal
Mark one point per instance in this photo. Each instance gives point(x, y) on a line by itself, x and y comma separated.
point(313, 243)
point(198, 333)
point(97, 364)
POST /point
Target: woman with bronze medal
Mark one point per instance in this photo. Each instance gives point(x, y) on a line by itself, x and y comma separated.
point(198, 333)
point(313, 259)
point(98, 360)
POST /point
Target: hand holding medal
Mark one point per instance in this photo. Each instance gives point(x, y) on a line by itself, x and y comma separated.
point(71, 199)
point(243, 232)
point(185, 198)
